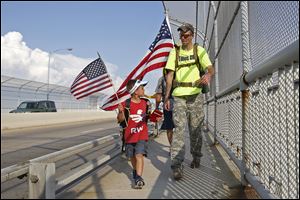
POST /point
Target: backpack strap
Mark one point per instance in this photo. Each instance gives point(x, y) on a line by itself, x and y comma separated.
point(124, 123)
point(177, 48)
point(127, 108)
point(148, 107)
point(197, 61)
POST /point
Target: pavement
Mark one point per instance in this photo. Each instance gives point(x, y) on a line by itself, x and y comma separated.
point(217, 177)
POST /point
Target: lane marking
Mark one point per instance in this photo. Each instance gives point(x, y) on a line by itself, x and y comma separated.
point(94, 130)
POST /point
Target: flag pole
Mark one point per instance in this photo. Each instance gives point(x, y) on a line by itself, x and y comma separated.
point(113, 88)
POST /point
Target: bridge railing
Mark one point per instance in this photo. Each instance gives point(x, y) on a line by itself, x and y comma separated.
point(267, 150)
point(41, 174)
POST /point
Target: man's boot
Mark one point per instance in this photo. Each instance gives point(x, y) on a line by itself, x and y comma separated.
point(195, 163)
point(178, 173)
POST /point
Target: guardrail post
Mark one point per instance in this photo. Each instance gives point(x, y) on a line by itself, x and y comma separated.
point(207, 104)
point(245, 104)
point(246, 61)
point(215, 119)
point(41, 181)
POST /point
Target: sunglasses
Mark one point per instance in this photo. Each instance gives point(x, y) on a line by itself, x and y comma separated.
point(185, 36)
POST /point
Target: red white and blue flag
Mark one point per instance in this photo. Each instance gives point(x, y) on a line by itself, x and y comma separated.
point(156, 57)
point(93, 78)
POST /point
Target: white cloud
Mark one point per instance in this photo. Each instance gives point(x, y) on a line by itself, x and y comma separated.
point(18, 60)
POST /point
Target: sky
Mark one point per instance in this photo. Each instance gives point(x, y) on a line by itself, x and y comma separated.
point(120, 31)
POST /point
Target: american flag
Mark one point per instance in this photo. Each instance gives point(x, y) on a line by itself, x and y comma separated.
point(93, 78)
point(155, 58)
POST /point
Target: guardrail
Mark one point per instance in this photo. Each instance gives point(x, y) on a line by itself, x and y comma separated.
point(41, 170)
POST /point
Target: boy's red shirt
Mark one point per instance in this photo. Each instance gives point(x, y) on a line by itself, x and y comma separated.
point(137, 128)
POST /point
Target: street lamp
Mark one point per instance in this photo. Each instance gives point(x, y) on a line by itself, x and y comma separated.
point(51, 52)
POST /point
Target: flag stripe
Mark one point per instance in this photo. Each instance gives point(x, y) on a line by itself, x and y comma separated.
point(89, 83)
point(78, 81)
point(114, 97)
point(96, 91)
point(90, 87)
point(159, 55)
point(79, 76)
point(112, 106)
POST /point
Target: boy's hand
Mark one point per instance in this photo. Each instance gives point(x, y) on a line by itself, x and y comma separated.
point(120, 107)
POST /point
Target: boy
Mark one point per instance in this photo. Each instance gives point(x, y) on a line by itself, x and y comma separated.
point(136, 132)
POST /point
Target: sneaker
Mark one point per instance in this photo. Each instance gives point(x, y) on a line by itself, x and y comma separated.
point(134, 174)
point(178, 173)
point(139, 182)
point(195, 163)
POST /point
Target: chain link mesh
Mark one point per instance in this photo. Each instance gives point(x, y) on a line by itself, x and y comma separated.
point(272, 135)
point(273, 25)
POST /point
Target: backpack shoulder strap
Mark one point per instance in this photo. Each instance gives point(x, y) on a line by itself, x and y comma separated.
point(197, 61)
point(198, 58)
point(127, 103)
point(148, 108)
point(177, 48)
point(127, 108)
point(124, 123)
point(148, 103)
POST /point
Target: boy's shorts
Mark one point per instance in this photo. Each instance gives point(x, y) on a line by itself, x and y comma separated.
point(136, 148)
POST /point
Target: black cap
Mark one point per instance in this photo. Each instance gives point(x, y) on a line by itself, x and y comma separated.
point(186, 27)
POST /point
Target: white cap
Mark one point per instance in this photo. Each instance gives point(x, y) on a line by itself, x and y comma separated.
point(137, 84)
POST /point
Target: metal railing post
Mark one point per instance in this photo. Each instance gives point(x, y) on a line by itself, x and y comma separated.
point(246, 62)
point(41, 180)
point(215, 119)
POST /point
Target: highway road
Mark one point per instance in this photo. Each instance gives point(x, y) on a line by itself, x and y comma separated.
point(20, 145)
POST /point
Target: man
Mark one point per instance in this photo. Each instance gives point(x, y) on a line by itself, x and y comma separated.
point(184, 75)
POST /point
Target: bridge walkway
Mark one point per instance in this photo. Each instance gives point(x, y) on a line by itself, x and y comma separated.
point(217, 177)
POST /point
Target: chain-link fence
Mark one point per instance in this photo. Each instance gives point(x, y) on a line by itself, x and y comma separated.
point(269, 145)
point(15, 90)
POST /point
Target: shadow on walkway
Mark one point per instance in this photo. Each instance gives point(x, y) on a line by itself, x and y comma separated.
point(212, 180)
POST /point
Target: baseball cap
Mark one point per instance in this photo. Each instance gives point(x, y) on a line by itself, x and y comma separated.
point(186, 27)
point(137, 84)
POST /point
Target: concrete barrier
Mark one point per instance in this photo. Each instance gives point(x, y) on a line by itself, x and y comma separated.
point(24, 120)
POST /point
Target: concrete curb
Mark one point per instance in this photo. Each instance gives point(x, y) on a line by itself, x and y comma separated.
point(24, 120)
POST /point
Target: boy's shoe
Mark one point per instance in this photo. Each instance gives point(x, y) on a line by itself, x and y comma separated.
point(195, 163)
point(139, 182)
point(134, 175)
point(178, 173)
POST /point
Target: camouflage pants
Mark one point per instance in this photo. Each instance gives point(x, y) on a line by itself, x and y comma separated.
point(188, 110)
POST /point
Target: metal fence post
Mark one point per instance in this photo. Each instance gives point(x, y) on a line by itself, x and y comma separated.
point(215, 119)
point(41, 181)
point(246, 62)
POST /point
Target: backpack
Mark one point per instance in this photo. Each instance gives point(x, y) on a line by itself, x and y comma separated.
point(205, 88)
point(124, 123)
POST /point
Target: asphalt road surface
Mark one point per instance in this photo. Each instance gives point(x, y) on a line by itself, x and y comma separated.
point(20, 145)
